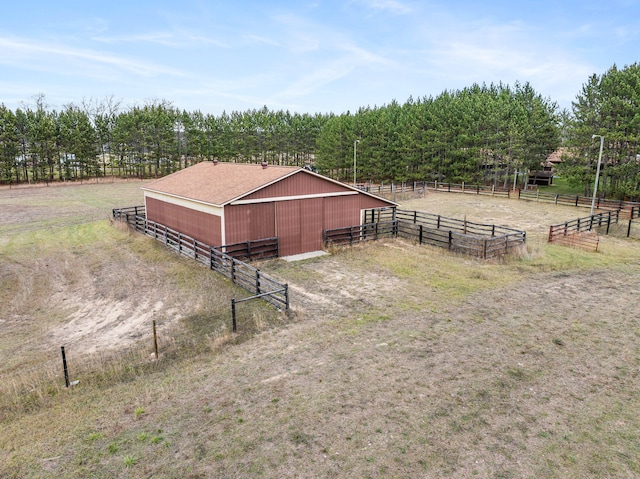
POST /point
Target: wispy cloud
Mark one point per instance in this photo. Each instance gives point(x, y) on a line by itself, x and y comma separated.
point(160, 38)
point(45, 56)
point(485, 51)
point(176, 39)
point(262, 40)
point(393, 6)
point(322, 54)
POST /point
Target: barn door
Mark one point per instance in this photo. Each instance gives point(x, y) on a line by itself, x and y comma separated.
point(299, 225)
point(288, 221)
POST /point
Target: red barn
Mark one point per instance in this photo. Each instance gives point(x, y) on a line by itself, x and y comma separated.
point(227, 203)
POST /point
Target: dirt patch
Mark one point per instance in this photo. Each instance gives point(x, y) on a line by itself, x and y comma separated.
point(101, 324)
point(532, 217)
point(338, 289)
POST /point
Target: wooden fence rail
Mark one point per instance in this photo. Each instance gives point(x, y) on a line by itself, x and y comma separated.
point(627, 207)
point(241, 273)
point(581, 233)
point(423, 186)
point(475, 239)
point(255, 249)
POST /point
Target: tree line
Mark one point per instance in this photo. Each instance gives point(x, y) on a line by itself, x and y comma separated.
point(101, 139)
point(479, 134)
point(608, 105)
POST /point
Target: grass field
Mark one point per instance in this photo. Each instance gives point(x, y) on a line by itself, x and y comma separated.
point(401, 361)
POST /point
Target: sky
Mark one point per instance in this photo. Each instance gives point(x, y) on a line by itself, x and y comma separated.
point(304, 56)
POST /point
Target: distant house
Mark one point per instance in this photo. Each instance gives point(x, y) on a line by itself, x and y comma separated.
point(545, 175)
point(227, 203)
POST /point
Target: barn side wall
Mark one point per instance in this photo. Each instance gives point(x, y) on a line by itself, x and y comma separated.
point(299, 184)
point(249, 222)
point(205, 226)
point(368, 202)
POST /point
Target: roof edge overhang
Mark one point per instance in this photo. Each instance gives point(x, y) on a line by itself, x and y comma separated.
point(353, 188)
point(186, 198)
point(258, 188)
point(280, 178)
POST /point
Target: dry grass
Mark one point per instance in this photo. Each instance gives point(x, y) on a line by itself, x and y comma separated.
point(409, 362)
point(95, 287)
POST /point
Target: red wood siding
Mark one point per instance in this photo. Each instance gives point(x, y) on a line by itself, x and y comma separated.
point(311, 216)
point(367, 202)
point(289, 227)
point(298, 184)
point(249, 222)
point(297, 223)
point(201, 226)
point(341, 211)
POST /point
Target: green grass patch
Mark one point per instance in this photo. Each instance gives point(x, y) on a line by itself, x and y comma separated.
point(561, 186)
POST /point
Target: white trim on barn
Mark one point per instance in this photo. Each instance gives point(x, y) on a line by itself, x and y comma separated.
point(297, 197)
point(185, 202)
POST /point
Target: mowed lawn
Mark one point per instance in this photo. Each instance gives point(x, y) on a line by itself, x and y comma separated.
point(400, 361)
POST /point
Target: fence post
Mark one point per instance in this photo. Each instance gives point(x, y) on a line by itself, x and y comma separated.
point(195, 249)
point(64, 366)
point(450, 240)
point(155, 339)
point(556, 200)
point(420, 234)
point(438, 225)
point(591, 223)
point(493, 230)
point(180, 242)
point(484, 249)
point(608, 222)
point(233, 271)
point(550, 234)
point(629, 227)
point(233, 315)
point(286, 296)
point(257, 281)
